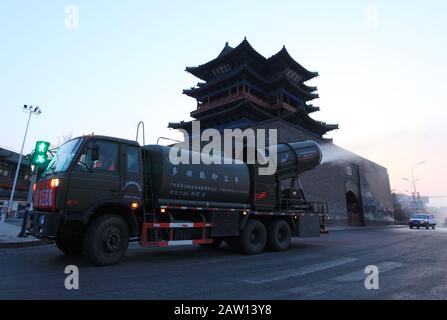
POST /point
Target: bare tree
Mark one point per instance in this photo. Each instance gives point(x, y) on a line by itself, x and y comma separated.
point(62, 139)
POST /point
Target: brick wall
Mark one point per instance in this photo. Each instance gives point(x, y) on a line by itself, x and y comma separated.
point(331, 181)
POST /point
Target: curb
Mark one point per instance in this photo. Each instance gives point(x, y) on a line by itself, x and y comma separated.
point(24, 244)
point(365, 228)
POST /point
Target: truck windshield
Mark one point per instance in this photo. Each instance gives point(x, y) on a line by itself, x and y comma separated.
point(64, 156)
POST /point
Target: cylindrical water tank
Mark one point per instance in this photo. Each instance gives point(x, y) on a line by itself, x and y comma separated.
point(214, 185)
point(296, 157)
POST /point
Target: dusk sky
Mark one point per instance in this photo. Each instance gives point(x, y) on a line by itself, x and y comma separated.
point(382, 67)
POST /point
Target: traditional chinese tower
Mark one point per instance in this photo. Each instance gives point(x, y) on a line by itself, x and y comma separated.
point(240, 88)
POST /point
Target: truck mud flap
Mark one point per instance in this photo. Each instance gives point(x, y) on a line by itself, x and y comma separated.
point(308, 225)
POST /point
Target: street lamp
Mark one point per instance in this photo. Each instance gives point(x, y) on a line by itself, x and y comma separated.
point(413, 180)
point(413, 184)
point(30, 110)
point(412, 174)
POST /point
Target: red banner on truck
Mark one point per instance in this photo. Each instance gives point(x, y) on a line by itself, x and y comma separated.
point(44, 196)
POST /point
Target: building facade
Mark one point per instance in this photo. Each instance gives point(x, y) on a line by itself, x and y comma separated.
point(8, 166)
point(242, 89)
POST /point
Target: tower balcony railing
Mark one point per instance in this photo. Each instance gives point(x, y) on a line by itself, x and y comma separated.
point(239, 96)
point(283, 105)
point(231, 98)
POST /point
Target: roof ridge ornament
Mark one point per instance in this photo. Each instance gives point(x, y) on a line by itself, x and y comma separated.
point(227, 49)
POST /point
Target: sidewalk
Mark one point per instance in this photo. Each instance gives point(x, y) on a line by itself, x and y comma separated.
point(9, 239)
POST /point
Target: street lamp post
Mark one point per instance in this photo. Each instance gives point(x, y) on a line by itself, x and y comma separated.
point(413, 184)
point(412, 174)
point(413, 180)
point(30, 110)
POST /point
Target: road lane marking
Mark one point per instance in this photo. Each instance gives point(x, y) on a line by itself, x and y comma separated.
point(254, 259)
point(360, 275)
point(310, 289)
point(297, 272)
point(326, 287)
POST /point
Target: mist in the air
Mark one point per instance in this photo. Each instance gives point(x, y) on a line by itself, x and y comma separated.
point(335, 154)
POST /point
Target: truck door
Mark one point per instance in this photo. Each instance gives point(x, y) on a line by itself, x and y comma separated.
point(92, 182)
point(132, 184)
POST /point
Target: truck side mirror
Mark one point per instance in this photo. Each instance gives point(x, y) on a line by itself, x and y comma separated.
point(95, 153)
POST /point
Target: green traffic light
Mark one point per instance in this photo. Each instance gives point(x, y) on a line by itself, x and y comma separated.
point(40, 156)
point(41, 147)
point(40, 159)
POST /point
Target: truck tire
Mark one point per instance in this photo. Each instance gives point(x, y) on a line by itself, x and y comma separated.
point(427, 227)
point(434, 227)
point(216, 244)
point(252, 239)
point(106, 240)
point(69, 244)
point(279, 235)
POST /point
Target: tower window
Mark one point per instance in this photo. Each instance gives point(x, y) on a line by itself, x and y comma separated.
point(349, 171)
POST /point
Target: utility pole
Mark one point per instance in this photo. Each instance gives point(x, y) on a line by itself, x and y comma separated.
point(30, 110)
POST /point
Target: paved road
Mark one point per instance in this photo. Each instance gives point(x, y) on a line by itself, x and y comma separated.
point(412, 264)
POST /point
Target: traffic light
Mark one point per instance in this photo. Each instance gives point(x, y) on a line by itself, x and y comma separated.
point(40, 154)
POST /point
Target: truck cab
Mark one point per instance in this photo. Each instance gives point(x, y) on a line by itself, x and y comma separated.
point(89, 177)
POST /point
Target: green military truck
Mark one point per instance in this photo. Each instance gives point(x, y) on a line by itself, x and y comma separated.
point(98, 193)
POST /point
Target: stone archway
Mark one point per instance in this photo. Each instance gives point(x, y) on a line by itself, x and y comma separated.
point(355, 214)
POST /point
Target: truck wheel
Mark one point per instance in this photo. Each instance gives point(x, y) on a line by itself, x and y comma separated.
point(216, 244)
point(253, 238)
point(411, 227)
point(106, 240)
point(279, 235)
point(434, 227)
point(69, 244)
point(427, 227)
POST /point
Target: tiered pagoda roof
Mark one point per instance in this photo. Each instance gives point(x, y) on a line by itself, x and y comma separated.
point(241, 83)
point(244, 52)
